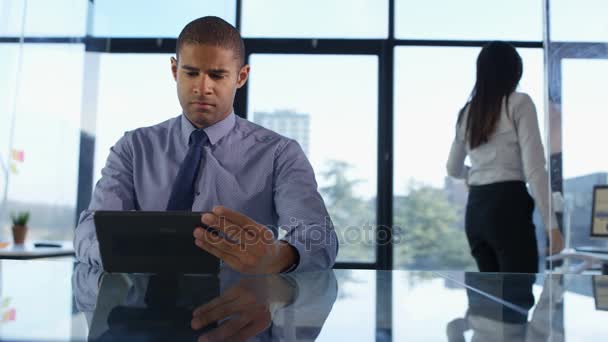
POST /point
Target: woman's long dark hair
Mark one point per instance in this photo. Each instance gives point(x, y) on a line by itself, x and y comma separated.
point(499, 69)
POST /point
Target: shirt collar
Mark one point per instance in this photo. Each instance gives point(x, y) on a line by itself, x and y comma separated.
point(215, 132)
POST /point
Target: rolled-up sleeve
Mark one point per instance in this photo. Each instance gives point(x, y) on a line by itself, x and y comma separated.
point(301, 210)
point(114, 191)
point(455, 165)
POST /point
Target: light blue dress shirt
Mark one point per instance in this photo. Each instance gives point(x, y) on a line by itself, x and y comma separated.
point(245, 167)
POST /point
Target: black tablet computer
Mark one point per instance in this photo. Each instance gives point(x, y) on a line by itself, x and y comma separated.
point(152, 242)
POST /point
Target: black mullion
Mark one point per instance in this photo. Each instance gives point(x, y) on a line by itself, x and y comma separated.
point(314, 46)
point(131, 45)
point(384, 211)
point(44, 40)
point(384, 286)
point(391, 19)
point(462, 43)
point(385, 159)
point(356, 265)
point(286, 46)
point(270, 45)
point(239, 16)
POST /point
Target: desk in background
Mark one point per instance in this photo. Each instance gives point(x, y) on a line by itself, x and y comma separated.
point(588, 260)
point(29, 250)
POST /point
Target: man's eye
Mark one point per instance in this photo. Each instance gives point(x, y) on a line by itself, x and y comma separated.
point(216, 76)
point(192, 74)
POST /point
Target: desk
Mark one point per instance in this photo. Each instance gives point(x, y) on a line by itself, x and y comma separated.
point(588, 260)
point(56, 300)
point(29, 251)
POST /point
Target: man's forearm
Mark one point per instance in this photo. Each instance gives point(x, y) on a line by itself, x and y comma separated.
point(86, 245)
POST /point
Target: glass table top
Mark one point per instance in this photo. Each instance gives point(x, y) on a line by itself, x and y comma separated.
point(57, 300)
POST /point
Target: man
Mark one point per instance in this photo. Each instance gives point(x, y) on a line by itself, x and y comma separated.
point(248, 180)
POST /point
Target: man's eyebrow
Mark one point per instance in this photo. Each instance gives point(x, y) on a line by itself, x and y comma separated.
point(219, 71)
point(215, 71)
point(190, 68)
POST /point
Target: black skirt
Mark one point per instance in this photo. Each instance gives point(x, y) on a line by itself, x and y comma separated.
point(499, 227)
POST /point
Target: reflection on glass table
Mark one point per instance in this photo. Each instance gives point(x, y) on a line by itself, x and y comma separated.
point(498, 308)
point(38, 304)
point(228, 307)
point(532, 307)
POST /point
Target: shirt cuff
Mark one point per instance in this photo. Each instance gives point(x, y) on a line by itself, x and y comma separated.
point(296, 263)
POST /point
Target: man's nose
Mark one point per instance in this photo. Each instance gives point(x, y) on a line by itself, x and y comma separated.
point(204, 85)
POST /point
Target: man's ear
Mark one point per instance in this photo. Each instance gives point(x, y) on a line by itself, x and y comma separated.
point(243, 76)
point(174, 68)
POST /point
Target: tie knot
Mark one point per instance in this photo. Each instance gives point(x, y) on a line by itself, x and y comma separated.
point(198, 137)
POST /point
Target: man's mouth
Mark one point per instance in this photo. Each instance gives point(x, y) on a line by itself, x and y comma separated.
point(202, 104)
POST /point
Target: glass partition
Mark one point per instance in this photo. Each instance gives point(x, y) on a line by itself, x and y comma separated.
point(577, 65)
point(40, 103)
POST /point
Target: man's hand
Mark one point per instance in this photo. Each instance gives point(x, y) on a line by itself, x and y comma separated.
point(556, 241)
point(240, 312)
point(246, 245)
point(244, 310)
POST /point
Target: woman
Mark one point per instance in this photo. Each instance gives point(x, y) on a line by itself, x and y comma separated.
point(498, 130)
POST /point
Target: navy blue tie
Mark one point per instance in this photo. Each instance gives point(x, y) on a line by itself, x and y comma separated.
point(182, 194)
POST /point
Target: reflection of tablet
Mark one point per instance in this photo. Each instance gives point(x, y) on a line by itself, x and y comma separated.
point(141, 307)
point(600, 292)
point(151, 242)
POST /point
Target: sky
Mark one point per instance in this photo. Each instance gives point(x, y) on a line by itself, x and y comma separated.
point(431, 83)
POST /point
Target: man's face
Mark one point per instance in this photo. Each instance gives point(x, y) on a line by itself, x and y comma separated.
point(207, 79)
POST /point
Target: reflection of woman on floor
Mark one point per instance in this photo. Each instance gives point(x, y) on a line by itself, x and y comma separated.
point(498, 130)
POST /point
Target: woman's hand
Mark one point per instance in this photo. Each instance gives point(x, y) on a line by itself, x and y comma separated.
point(556, 241)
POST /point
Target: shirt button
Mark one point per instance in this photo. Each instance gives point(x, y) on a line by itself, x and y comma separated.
point(198, 193)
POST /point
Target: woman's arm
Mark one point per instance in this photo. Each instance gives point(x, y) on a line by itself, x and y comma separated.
point(455, 165)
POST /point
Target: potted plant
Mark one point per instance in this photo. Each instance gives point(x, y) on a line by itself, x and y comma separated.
point(20, 226)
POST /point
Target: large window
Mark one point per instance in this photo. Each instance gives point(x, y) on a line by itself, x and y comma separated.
point(154, 18)
point(309, 98)
point(580, 21)
point(134, 90)
point(370, 89)
point(431, 86)
point(315, 19)
point(469, 19)
point(583, 119)
point(40, 157)
point(42, 18)
point(578, 69)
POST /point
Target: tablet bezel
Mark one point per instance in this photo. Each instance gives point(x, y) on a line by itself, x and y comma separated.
point(111, 225)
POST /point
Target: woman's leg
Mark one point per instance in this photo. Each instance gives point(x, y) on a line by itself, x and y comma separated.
point(515, 240)
point(476, 223)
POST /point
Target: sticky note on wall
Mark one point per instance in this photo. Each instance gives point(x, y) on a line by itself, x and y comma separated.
point(18, 155)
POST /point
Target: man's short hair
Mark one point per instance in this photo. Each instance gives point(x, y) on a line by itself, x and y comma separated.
point(213, 31)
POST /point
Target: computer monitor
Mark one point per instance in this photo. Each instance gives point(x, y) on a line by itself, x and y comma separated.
point(600, 292)
point(599, 212)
